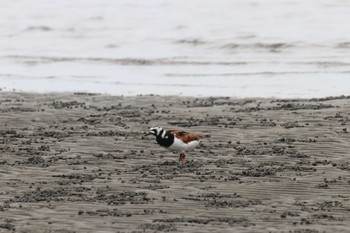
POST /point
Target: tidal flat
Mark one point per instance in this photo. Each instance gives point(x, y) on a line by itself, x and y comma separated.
point(79, 162)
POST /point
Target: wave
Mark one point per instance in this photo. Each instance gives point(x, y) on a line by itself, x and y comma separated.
point(32, 60)
point(270, 46)
point(119, 61)
point(344, 45)
point(39, 28)
point(267, 46)
point(194, 42)
point(267, 73)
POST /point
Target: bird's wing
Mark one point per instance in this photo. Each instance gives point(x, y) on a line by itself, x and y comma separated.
point(187, 137)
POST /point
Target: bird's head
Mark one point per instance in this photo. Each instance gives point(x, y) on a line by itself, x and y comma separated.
point(154, 131)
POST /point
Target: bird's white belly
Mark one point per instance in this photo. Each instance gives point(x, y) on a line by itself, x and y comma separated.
point(180, 146)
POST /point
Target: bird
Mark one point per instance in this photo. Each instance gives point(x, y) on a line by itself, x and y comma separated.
point(176, 140)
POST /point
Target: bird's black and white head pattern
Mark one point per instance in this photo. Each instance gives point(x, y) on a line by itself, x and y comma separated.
point(163, 137)
point(156, 131)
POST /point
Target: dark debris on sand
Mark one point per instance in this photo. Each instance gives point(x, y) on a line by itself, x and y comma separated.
point(80, 163)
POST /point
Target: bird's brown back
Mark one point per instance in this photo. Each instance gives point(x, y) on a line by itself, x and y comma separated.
point(187, 137)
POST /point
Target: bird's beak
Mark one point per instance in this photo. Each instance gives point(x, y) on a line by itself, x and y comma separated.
point(149, 133)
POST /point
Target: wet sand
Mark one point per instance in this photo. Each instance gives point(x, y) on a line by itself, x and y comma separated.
point(79, 163)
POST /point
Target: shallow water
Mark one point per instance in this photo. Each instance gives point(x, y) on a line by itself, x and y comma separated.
point(229, 48)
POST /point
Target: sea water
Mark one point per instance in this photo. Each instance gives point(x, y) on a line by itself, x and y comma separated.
point(239, 48)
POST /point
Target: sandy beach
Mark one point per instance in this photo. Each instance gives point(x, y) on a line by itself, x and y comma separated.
point(80, 163)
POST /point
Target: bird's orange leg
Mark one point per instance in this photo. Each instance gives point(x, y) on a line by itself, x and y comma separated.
point(182, 158)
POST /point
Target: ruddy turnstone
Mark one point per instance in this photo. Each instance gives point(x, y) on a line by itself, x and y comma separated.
point(177, 140)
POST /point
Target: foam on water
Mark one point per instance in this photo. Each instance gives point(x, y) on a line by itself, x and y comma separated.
point(241, 48)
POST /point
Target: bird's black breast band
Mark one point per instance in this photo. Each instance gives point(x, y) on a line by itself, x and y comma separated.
point(168, 139)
